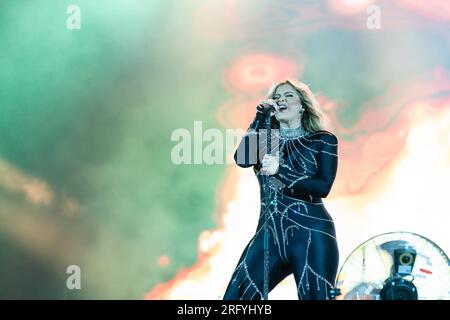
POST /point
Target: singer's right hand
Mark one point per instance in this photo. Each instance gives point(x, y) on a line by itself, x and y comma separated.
point(266, 105)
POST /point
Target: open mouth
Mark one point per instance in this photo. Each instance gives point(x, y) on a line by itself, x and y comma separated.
point(282, 108)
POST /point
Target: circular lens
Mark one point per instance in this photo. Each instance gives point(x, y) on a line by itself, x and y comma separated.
point(405, 258)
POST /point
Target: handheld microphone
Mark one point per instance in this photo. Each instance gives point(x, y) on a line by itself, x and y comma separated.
point(264, 109)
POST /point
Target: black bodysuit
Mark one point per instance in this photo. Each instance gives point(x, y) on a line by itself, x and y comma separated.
point(302, 236)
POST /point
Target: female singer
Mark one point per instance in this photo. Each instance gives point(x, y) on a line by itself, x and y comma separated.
point(295, 175)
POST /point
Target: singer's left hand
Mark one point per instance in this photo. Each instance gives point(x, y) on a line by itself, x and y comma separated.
point(270, 164)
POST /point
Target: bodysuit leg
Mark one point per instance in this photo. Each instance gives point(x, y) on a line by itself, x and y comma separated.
point(314, 265)
point(247, 280)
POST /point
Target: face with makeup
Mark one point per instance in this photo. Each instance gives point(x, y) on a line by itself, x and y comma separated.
point(289, 107)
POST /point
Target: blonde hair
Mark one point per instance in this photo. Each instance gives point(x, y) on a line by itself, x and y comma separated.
point(312, 117)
